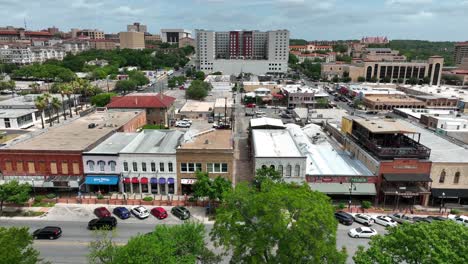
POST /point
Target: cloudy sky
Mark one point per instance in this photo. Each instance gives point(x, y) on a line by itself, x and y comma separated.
point(309, 19)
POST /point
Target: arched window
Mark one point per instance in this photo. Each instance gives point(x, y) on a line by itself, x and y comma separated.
point(456, 179)
point(442, 177)
point(288, 170)
point(280, 170)
point(101, 165)
point(297, 170)
point(272, 166)
point(112, 165)
point(264, 166)
point(90, 164)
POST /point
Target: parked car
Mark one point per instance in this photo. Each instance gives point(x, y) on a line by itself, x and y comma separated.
point(260, 112)
point(437, 218)
point(102, 212)
point(210, 119)
point(181, 123)
point(121, 212)
point(48, 232)
point(344, 218)
point(251, 105)
point(159, 212)
point(187, 120)
point(400, 218)
point(180, 212)
point(262, 106)
point(106, 223)
point(417, 219)
point(362, 232)
point(140, 212)
point(385, 221)
point(290, 107)
point(364, 219)
point(461, 219)
point(247, 113)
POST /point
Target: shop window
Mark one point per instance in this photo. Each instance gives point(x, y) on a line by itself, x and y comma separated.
point(53, 167)
point(64, 167)
point(112, 165)
point(101, 165)
point(76, 168)
point(90, 164)
point(31, 167)
point(442, 177)
point(456, 179)
point(125, 166)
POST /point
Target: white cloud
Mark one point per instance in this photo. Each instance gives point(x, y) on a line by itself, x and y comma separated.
point(408, 2)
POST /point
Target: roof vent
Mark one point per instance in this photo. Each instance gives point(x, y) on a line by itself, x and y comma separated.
point(207, 142)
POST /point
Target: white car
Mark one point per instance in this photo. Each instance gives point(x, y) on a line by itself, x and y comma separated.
point(461, 219)
point(140, 212)
point(182, 124)
point(187, 120)
point(364, 219)
point(362, 232)
point(385, 221)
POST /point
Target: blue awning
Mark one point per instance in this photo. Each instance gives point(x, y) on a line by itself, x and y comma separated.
point(102, 180)
point(162, 181)
point(154, 181)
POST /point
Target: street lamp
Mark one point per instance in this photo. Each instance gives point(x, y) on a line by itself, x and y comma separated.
point(442, 203)
point(351, 188)
point(398, 200)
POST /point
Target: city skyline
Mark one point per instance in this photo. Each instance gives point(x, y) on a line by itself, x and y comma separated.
point(330, 19)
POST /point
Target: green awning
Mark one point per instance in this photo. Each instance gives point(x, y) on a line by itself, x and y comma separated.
point(338, 188)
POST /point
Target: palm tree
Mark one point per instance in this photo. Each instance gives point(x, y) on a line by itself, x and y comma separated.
point(66, 89)
point(34, 87)
point(76, 89)
point(56, 104)
point(48, 98)
point(40, 104)
point(60, 89)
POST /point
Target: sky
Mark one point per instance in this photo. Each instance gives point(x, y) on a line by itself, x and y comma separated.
point(308, 19)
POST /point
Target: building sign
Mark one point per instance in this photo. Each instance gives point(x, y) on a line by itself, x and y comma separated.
point(407, 167)
point(327, 179)
point(358, 180)
point(188, 181)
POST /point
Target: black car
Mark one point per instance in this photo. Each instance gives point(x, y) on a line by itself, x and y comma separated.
point(48, 232)
point(249, 113)
point(106, 223)
point(181, 212)
point(344, 218)
point(417, 219)
point(437, 218)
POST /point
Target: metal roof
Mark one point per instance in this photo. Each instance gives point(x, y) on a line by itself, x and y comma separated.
point(338, 188)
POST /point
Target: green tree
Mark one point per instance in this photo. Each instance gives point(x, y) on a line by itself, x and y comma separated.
point(47, 100)
point(266, 173)
point(340, 48)
point(217, 73)
point(386, 79)
point(413, 81)
point(197, 90)
point(125, 86)
point(101, 100)
point(13, 192)
point(182, 244)
point(361, 79)
point(344, 58)
point(293, 59)
point(138, 77)
point(16, 246)
point(421, 243)
point(335, 79)
point(322, 103)
point(41, 105)
point(281, 223)
point(214, 189)
point(66, 90)
point(56, 104)
point(199, 75)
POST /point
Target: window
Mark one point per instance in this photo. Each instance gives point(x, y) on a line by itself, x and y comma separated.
point(76, 168)
point(288, 170)
point(297, 170)
point(31, 168)
point(19, 166)
point(101, 165)
point(217, 167)
point(161, 166)
point(125, 166)
point(53, 167)
point(90, 164)
point(280, 170)
point(42, 167)
point(143, 166)
point(153, 166)
point(112, 165)
point(64, 167)
point(170, 167)
point(8, 166)
point(135, 166)
point(456, 179)
point(442, 177)
point(190, 167)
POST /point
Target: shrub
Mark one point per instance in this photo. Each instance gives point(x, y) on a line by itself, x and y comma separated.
point(148, 199)
point(51, 196)
point(39, 198)
point(366, 204)
point(341, 206)
point(455, 211)
point(100, 196)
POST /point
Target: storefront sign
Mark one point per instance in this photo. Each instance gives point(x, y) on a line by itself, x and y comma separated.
point(326, 179)
point(188, 181)
point(359, 180)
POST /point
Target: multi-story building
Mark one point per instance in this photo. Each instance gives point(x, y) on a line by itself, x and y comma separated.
point(137, 27)
point(132, 40)
point(441, 91)
point(303, 96)
point(461, 51)
point(234, 52)
point(374, 40)
point(75, 47)
point(155, 37)
point(172, 36)
point(382, 54)
point(11, 35)
point(183, 42)
point(388, 102)
point(87, 33)
point(18, 54)
point(210, 151)
point(103, 44)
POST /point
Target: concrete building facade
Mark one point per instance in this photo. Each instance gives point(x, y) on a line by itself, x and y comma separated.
point(172, 36)
point(460, 52)
point(132, 40)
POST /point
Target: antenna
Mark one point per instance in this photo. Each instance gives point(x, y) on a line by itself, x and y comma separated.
point(25, 26)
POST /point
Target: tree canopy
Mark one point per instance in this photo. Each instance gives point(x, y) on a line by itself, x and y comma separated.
point(172, 244)
point(280, 223)
point(214, 189)
point(198, 90)
point(47, 72)
point(101, 100)
point(421, 243)
point(264, 174)
point(125, 86)
point(13, 192)
point(16, 246)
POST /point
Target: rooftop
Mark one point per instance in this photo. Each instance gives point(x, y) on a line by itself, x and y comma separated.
point(15, 113)
point(218, 78)
point(148, 100)
point(266, 121)
point(446, 91)
point(155, 141)
point(385, 126)
point(270, 143)
point(27, 100)
point(392, 99)
point(76, 136)
point(210, 139)
point(114, 144)
point(320, 114)
point(197, 106)
point(417, 113)
point(221, 102)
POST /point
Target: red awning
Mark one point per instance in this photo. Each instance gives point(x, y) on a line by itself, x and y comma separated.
point(135, 180)
point(278, 96)
point(144, 180)
point(126, 180)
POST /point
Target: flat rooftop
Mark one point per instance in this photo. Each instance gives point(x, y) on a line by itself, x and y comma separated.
point(76, 136)
point(320, 114)
point(266, 121)
point(442, 150)
point(392, 99)
point(222, 102)
point(15, 113)
point(271, 143)
point(416, 113)
point(27, 101)
point(114, 144)
point(210, 139)
point(385, 126)
point(446, 91)
point(197, 106)
point(155, 141)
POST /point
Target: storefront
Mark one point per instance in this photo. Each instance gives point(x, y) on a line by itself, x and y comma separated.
point(102, 183)
point(186, 185)
point(151, 185)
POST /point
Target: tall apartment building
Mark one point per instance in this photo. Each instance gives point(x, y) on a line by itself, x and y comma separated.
point(20, 55)
point(137, 27)
point(132, 40)
point(234, 52)
point(461, 51)
point(87, 33)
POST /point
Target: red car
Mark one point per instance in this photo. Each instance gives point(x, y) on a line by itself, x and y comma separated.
point(251, 105)
point(102, 212)
point(159, 212)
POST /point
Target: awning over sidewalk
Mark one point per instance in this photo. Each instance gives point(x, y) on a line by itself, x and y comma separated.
point(450, 193)
point(338, 188)
point(407, 177)
point(102, 180)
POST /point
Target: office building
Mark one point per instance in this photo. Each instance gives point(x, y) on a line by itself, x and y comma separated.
point(461, 51)
point(234, 52)
point(87, 33)
point(382, 54)
point(103, 44)
point(172, 36)
point(137, 27)
point(132, 40)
